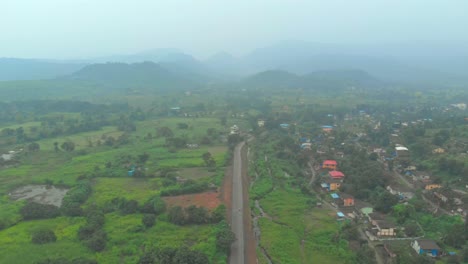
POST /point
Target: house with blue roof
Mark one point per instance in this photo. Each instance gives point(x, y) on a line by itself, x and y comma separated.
point(426, 247)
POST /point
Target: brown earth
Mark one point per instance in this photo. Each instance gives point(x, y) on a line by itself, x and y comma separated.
point(250, 243)
point(226, 192)
point(209, 200)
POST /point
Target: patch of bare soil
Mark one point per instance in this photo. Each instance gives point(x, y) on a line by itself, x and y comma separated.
point(226, 191)
point(43, 194)
point(249, 235)
point(209, 200)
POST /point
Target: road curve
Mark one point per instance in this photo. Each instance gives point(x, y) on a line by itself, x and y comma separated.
point(237, 255)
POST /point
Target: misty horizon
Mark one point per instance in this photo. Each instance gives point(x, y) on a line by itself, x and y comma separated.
point(85, 29)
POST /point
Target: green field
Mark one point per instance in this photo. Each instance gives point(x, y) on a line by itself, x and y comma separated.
point(126, 236)
point(297, 234)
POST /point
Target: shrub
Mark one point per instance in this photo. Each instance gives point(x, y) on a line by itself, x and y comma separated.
point(34, 210)
point(224, 237)
point(148, 220)
point(43, 236)
point(97, 242)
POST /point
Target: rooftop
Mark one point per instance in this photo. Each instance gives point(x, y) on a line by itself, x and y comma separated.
point(330, 162)
point(336, 174)
point(427, 244)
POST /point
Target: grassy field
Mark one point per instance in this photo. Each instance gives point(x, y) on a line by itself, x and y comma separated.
point(126, 236)
point(16, 246)
point(297, 234)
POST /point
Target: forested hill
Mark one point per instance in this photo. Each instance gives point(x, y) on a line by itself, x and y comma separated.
point(320, 80)
point(145, 75)
point(29, 69)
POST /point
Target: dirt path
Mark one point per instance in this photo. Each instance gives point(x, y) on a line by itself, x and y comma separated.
point(314, 174)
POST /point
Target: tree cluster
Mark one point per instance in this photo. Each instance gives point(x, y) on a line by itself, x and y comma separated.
point(92, 233)
point(182, 255)
point(33, 210)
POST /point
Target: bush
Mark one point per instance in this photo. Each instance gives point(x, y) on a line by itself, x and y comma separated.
point(197, 215)
point(65, 261)
point(34, 210)
point(148, 220)
point(43, 236)
point(218, 214)
point(97, 242)
point(72, 209)
point(91, 233)
point(181, 255)
point(224, 237)
point(177, 215)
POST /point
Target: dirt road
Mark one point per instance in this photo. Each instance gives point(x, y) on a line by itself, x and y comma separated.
point(237, 214)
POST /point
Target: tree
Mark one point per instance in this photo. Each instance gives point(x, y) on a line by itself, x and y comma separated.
point(455, 236)
point(224, 237)
point(197, 215)
point(187, 256)
point(366, 255)
point(34, 210)
point(164, 132)
point(97, 242)
point(223, 120)
point(411, 229)
point(209, 160)
point(43, 236)
point(177, 215)
point(148, 220)
point(142, 158)
point(56, 146)
point(441, 137)
point(33, 147)
point(182, 126)
point(129, 207)
point(218, 214)
point(385, 202)
point(154, 205)
point(68, 146)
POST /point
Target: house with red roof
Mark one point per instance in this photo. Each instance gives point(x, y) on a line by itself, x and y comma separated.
point(330, 164)
point(336, 174)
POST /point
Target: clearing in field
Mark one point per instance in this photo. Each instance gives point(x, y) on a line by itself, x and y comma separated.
point(209, 200)
point(106, 189)
point(43, 194)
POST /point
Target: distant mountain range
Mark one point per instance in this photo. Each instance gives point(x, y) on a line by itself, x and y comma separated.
point(330, 80)
point(32, 69)
point(143, 76)
point(283, 64)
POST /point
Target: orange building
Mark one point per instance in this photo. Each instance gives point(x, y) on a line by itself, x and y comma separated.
point(347, 199)
point(330, 164)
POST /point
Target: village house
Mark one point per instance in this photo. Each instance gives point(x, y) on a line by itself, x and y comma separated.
point(346, 200)
point(306, 146)
point(336, 174)
point(401, 151)
point(327, 129)
point(331, 184)
point(426, 247)
point(330, 164)
point(261, 123)
point(234, 130)
point(431, 186)
point(380, 226)
point(438, 151)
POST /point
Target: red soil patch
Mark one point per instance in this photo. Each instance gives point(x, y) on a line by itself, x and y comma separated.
point(209, 200)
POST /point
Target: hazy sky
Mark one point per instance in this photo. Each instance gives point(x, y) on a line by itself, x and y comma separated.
point(87, 28)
